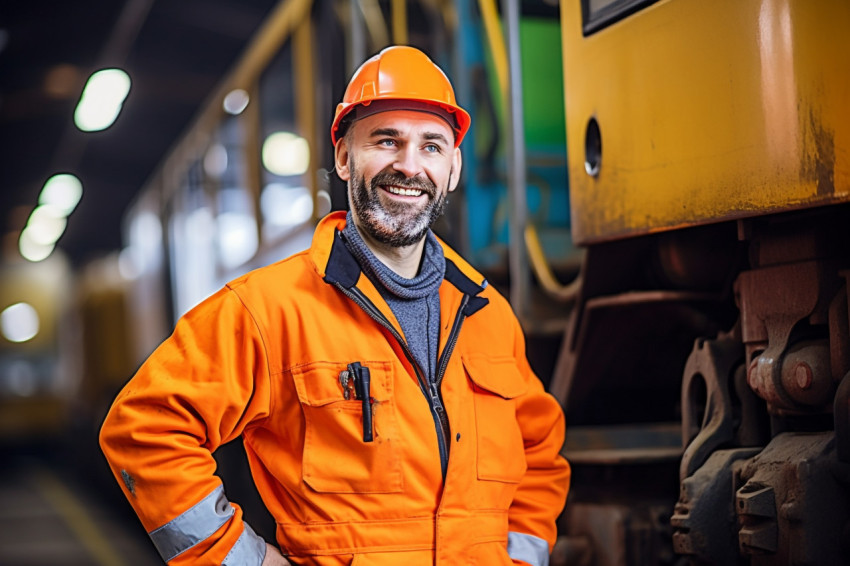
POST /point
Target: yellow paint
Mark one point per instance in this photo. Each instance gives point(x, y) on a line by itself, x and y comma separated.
point(399, 21)
point(708, 111)
point(496, 42)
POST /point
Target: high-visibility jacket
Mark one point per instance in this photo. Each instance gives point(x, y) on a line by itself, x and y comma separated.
point(464, 472)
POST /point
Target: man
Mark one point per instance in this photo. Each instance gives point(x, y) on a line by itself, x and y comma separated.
point(380, 386)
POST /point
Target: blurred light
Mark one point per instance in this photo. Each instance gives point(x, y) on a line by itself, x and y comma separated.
point(102, 99)
point(146, 229)
point(19, 322)
point(46, 225)
point(60, 82)
point(285, 153)
point(128, 263)
point(236, 101)
point(21, 378)
point(32, 250)
point(215, 161)
point(63, 191)
point(200, 228)
point(145, 250)
point(286, 206)
point(237, 238)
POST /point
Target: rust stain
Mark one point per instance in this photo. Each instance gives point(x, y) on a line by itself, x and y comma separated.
point(819, 162)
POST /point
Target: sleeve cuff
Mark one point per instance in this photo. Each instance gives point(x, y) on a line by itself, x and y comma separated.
point(249, 550)
point(528, 548)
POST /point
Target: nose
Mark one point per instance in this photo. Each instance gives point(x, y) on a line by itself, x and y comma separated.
point(407, 161)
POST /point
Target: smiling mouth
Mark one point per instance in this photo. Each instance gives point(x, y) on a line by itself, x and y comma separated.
point(402, 191)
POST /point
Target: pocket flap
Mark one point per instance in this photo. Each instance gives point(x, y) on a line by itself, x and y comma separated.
point(497, 375)
point(318, 383)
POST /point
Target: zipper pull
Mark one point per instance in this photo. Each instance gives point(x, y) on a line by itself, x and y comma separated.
point(435, 396)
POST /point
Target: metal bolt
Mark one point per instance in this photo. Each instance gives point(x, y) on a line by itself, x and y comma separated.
point(803, 375)
point(752, 375)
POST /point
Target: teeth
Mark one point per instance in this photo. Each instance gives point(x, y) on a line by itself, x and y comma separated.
point(404, 192)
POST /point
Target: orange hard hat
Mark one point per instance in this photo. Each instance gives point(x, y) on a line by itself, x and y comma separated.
point(405, 78)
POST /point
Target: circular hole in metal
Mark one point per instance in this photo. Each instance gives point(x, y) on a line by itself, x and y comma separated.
point(592, 148)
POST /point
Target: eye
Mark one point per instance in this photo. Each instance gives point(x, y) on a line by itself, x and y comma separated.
point(387, 142)
point(432, 148)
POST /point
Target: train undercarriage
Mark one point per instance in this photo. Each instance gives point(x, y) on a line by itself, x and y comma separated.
point(718, 360)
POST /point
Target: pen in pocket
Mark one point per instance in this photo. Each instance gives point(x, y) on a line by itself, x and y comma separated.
point(358, 378)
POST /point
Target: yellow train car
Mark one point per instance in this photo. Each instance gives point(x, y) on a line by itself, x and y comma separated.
point(705, 372)
point(37, 377)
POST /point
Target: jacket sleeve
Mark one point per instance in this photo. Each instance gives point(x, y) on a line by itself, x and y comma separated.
point(197, 391)
point(542, 492)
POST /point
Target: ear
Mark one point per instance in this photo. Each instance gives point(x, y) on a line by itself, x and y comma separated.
point(341, 160)
point(457, 162)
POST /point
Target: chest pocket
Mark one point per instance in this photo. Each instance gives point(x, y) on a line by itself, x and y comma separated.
point(496, 383)
point(336, 459)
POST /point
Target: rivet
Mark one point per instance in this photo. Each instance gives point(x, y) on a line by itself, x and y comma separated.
point(803, 375)
point(752, 375)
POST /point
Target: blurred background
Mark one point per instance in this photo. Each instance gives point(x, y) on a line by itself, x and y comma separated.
point(67, 337)
point(155, 149)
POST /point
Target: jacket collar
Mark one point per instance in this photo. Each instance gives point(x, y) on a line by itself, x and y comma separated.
point(336, 264)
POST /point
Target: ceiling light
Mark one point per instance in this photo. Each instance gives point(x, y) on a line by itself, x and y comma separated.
point(46, 224)
point(102, 99)
point(236, 101)
point(62, 191)
point(31, 250)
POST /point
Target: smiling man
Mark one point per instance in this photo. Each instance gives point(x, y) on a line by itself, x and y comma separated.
point(411, 161)
point(380, 385)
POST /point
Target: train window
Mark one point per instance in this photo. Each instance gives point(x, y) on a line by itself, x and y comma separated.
point(192, 242)
point(598, 14)
point(285, 199)
point(142, 263)
point(235, 221)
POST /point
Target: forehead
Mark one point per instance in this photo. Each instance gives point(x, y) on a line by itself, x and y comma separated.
point(406, 123)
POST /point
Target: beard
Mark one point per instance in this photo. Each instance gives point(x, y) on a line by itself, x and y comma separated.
point(395, 224)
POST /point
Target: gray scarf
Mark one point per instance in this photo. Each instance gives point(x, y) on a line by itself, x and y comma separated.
point(415, 302)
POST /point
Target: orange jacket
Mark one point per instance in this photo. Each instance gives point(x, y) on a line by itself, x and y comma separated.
point(262, 359)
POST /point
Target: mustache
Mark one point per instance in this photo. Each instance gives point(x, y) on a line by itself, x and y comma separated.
point(392, 177)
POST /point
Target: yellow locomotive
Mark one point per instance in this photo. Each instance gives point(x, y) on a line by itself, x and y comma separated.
point(707, 359)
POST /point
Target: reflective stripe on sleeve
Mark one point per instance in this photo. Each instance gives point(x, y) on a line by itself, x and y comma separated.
point(194, 525)
point(249, 550)
point(528, 548)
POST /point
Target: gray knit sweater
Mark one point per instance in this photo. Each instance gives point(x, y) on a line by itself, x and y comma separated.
point(415, 302)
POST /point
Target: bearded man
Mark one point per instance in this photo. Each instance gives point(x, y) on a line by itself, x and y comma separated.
point(380, 386)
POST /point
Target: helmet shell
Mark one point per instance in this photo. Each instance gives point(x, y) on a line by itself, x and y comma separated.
point(400, 73)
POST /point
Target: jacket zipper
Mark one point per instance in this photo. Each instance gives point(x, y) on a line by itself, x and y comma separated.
point(432, 390)
point(442, 364)
point(450, 344)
